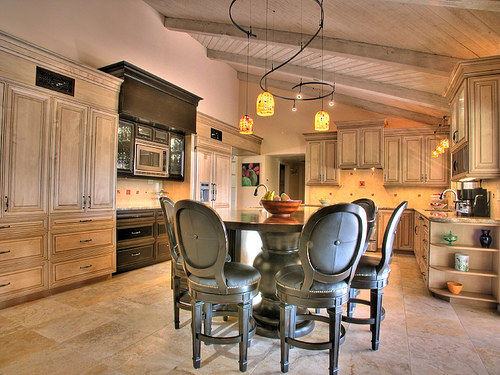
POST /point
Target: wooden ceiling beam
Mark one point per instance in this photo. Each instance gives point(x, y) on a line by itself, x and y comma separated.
point(397, 57)
point(384, 109)
point(396, 92)
point(487, 5)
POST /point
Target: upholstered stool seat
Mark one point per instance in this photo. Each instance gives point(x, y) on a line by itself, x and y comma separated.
point(239, 277)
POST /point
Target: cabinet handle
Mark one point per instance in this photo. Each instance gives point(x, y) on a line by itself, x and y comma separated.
point(422, 177)
point(426, 177)
point(455, 136)
point(5, 252)
point(135, 254)
point(136, 232)
point(84, 241)
point(6, 204)
point(84, 202)
point(85, 221)
point(1, 286)
point(5, 227)
point(424, 257)
point(85, 267)
point(416, 230)
point(89, 202)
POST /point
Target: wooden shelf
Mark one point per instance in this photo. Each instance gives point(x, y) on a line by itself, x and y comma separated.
point(463, 247)
point(464, 295)
point(471, 272)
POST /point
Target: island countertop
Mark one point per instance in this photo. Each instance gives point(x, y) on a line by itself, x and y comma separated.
point(453, 217)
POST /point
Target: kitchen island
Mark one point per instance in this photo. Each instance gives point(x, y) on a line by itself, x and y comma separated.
point(436, 258)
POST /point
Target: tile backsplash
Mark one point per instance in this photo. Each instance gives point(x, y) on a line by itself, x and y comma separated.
point(137, 193)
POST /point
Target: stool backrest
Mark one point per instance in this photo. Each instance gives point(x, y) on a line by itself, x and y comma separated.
point(167, 207)
point(371, 216)
point(389, 235)
point(202, 240)
point(331, 244)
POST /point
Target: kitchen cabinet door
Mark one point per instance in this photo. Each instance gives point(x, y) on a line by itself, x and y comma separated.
point(413, 155)
point(321, 162)
point(222, 180)
point(101, 179)
point(84, 153)
point(69, 157)
point(24, 152)
point(371, 147)
point(437, 170)
point(458, 123)
point(404, 233)
point(392, 161)
point(348, 148)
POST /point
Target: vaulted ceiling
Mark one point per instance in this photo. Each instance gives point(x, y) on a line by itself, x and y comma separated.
point(392, 57)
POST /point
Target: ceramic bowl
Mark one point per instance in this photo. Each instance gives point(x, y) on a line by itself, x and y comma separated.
point(281, 208)
point(454, 287)
point(324, 201)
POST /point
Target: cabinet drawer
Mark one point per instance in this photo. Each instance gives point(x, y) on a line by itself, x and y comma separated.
point(135, 255)
point(162, 250)
point(81, 269)
point(72, 241)
point(123, 234)
point(22, 248)
point(16, 283)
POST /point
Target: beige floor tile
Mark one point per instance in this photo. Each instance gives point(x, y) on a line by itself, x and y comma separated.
point(20, 344)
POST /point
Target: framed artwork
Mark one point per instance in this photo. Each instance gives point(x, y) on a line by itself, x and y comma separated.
point(250, 174)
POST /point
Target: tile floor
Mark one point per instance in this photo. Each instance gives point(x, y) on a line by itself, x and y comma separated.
point(125, 326)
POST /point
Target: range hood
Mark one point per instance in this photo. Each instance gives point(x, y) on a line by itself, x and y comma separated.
point(148, 99)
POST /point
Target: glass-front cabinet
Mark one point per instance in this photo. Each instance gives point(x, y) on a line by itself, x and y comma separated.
point(176, 163)
point(125, 158)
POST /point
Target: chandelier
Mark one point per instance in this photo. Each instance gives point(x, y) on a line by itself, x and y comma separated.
point(443, 144)
point(265, 104)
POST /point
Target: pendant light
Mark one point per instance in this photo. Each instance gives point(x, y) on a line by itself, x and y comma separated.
point(322, 118)
point(246, 122)
point(265, 100)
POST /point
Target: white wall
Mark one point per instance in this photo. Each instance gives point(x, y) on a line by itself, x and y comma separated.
point(99, 33)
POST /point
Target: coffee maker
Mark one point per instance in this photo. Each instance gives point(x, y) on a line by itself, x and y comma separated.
point(474, 200)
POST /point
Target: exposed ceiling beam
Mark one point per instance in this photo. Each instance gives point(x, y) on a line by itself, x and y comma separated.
point(353, 101)
point(487, 5)
point(398, 57)
point(399, 93)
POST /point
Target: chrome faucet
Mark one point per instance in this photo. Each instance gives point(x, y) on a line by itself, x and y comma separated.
point(450, 190)
point(256, 192)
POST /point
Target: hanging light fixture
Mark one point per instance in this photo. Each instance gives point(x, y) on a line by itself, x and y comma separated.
point(265, 100)
point(246, 122)
point(445, 143)
point(434, 154)
point(322, 121)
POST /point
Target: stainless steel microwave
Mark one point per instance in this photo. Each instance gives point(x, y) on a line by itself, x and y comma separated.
point(151, 159)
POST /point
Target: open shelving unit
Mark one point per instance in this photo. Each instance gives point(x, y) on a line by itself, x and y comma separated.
point(481, 284)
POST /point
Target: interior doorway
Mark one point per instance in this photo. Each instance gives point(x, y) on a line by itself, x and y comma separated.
point(292, 176)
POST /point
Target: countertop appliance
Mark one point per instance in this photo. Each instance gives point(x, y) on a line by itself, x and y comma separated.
point(474, 202)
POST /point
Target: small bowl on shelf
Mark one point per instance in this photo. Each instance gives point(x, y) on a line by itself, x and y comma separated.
point(324, 202)
point(438, 205)
point(281, 208)
point(454, 287)
point(450, 237)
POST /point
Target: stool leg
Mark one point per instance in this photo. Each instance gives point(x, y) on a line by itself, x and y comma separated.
point(351, 305)
point(285, 331)
point(207, 310)
point(196, 312)
point(335, 314)
point(177, 294)
point(244, 327)
point(376, 312)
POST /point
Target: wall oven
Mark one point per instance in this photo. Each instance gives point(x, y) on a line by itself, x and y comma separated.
point(151, 159)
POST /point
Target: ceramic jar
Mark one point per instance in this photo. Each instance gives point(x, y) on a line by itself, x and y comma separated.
point(461, 262)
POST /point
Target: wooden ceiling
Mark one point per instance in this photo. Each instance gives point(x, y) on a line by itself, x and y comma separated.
point(392, 57)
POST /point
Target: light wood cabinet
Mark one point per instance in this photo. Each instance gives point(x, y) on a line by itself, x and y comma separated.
point(392, 161)
point(321, 155)
point(404, 232)
point(408, 160)
point(361, 143)
point(214, 168)
point(481, 284)
point(57, 165)
point(421, 243)
point(474, 95)
point(84, 148)
point(24, 153)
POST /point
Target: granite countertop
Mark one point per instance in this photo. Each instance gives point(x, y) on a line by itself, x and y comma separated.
point(129, 208)
point(453, 217)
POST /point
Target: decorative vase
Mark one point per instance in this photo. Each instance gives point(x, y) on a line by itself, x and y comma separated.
point(485, 238)
point(450, 238)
